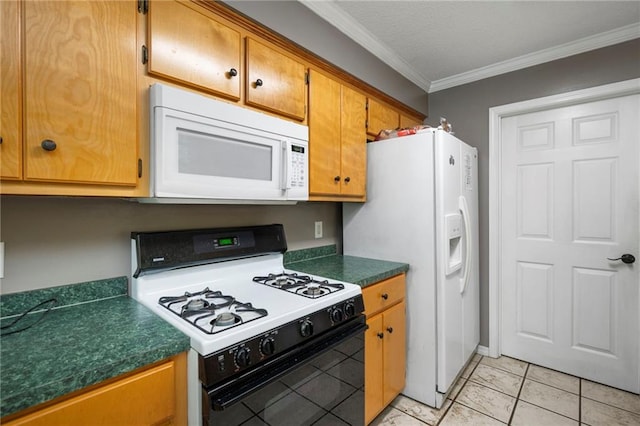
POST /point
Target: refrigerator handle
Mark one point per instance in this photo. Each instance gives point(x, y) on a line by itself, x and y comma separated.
point(464, 209)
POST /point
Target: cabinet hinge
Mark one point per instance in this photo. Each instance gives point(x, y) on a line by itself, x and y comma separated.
point(139, 167)
point(307, 78)
point(143, 6)
point(366, 124)
point(366, 105)
point(145, 54)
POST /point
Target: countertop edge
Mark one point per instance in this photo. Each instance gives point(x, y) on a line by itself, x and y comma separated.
point(361, 271)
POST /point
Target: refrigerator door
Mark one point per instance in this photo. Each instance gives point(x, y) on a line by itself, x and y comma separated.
point(456, 222)
point(397, 223)
point(471, 278)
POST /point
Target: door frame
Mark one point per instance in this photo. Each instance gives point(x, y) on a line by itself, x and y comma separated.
point(496, 114)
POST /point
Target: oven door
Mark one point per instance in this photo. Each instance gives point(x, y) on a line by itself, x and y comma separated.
point(322, 380)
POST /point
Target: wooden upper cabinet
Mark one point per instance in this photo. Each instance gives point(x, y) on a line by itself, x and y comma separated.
point(337, 139)
point(406, 121)
point(80, 92)
point(275, 82)
point(324, 134)
point(189, 46)
point(354, 143)
point(10, 95)
point(380, 117)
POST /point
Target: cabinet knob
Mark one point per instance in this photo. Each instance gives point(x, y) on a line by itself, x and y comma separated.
point(48, 145)
point(385, 296)
point(233, 72)
point(258, 83)
point(336, 179)
point(347, 179)
point(390, 330)
point(380, 335)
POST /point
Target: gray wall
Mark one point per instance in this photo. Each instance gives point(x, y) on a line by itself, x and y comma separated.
point(467, 108)
point(296, 22)
point(52, 241)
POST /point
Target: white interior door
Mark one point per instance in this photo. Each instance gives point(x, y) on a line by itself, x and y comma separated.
point(569, 202)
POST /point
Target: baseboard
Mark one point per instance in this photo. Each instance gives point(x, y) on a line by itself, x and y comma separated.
point(482, 350)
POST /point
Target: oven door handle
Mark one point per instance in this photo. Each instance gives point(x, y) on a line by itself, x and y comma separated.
point(221, 398)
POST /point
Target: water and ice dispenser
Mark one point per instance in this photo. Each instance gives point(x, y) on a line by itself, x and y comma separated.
point(453, 226)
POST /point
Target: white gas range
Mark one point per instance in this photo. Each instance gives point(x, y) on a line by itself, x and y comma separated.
point(250, 320)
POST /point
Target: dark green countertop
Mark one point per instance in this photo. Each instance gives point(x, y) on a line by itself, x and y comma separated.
point(352, 269)
point(97, 332)
point(79, 345)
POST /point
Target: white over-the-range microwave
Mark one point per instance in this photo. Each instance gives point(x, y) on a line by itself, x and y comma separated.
point(208, 151)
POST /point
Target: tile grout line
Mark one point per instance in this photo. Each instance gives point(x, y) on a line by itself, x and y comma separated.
point(524, 377)
point(459, 391)
point(580, 401)
point(468, 379)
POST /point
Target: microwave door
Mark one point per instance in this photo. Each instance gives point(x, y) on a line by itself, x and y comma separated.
point(200, 157)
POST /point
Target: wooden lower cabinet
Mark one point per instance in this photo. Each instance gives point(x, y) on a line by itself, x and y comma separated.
point(385, 344)
point(155, 395)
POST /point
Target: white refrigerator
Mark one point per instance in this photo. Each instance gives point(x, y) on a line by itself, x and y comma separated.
point(422, 209)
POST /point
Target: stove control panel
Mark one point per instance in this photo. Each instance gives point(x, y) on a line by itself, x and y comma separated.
point(256, 350)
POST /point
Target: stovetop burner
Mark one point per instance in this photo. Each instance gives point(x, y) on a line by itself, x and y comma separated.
point(303, 285)
point(211, 311)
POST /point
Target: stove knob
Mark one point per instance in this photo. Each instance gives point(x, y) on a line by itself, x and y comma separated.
point(306, 328)
point(243, 357)
point(337, 315)
point(268, 346)
point(349, 309)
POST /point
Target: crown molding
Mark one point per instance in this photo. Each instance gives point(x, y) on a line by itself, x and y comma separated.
point(608, 38)
point(333, 14)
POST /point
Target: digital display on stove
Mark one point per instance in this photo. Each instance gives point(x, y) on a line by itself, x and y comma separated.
point(226, 241)
point(210, 243)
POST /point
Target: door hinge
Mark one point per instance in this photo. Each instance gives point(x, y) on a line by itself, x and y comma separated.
point(145, 54)
point(139, 167)
point(143, 6)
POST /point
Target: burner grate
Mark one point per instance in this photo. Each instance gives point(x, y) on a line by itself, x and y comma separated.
point(211, 311)
point(302, 285)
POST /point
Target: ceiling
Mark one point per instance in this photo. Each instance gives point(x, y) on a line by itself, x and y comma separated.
point(441, 44)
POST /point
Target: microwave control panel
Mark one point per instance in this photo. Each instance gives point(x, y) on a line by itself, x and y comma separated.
point(298, 169)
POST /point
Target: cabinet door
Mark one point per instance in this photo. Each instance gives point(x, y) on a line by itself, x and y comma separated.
point(80, 92)
point(406, 121)
point(354, 143)
point(380, 116)
point(394, 351)
point(10, 86)
point(373, 362)
point(187, 45)
point(275, 82)
point(324, 134)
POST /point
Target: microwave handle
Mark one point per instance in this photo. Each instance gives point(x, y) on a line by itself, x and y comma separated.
point(285, 173)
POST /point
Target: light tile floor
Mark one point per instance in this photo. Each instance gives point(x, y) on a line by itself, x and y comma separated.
point(508, 391)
